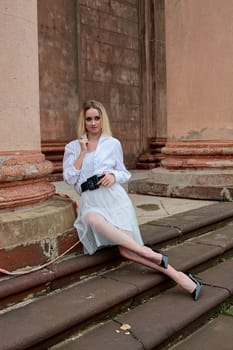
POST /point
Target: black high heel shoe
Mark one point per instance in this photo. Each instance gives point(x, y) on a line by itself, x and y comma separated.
point(164, 261)
point(197, 290)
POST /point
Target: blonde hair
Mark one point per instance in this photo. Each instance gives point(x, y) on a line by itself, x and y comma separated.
point(106, 130)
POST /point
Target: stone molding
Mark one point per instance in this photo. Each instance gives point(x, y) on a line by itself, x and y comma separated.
point(23, 178)
point(183, 155)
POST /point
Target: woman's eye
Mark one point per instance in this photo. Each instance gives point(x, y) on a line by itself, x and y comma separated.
point(96, 119)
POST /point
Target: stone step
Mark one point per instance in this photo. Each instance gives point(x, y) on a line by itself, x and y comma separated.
point(157, 233)
point(215, 334)
point(40, 323)
point(58, 275)
point(156, 323)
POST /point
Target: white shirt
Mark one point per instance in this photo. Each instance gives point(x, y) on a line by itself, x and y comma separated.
point(108, 157)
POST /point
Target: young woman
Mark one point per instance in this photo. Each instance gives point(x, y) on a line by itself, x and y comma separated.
point(94, 165)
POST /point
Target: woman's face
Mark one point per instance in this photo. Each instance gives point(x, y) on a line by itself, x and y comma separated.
point(93, 121)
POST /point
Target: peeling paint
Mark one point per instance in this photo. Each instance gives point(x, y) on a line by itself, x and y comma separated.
point(49, 248)
point(206, 134)
point(226, 195)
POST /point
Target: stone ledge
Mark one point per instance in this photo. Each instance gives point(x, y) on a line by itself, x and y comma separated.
point(31, 236)
point(25, 225)
point(154, 188)
point(178, 225)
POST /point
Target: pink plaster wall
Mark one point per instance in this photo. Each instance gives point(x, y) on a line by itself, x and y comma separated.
point(199, 54)
point(19, 88)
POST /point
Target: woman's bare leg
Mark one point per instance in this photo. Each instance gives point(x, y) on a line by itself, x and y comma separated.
point(179, 277)
point(120, 237)
point(136, 252)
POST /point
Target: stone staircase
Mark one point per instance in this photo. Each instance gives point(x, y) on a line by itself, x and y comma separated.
point(153, 156)
point(91, 302)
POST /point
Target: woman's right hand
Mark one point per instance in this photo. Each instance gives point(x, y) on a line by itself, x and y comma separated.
point(83, 144)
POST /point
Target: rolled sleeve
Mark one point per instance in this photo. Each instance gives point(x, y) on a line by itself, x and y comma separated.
point(70, 173)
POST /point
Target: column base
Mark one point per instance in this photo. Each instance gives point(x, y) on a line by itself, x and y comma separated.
point(35, 235)
point(24, 178)
point(194, 155)
point(25, 193)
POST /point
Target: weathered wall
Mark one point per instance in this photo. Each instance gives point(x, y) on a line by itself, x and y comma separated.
point(110, 65)
point(90, 49)
point(199, 51)
point(58, 68)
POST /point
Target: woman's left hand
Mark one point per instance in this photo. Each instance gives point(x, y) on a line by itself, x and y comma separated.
point(107, 180)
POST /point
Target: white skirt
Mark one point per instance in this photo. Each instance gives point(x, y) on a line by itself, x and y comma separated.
point(114, 204)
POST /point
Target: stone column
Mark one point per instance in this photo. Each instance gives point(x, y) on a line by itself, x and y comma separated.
point(23, 168)
point(29, 234)
point(199, 53)
point(198, 155)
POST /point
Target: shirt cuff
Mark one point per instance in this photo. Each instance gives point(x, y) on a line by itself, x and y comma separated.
point(74, 171)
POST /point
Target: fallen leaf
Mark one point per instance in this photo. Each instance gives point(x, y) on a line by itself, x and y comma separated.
point(91, 296)
point(125, 326)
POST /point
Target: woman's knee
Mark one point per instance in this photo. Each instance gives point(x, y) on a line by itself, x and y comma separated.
point(91, 218)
